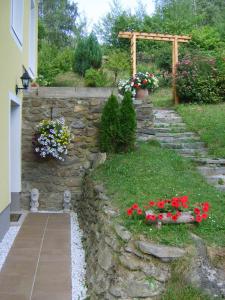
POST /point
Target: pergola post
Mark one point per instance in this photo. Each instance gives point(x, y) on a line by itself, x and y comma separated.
point(133, 54)
point(174, 68)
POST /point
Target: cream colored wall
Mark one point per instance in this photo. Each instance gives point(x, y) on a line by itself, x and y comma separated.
point(12, 60)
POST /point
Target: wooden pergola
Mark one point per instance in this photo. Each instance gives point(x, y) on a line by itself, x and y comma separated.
point(175, 39)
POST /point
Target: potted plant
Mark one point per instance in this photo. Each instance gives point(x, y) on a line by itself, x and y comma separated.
point(140, 85)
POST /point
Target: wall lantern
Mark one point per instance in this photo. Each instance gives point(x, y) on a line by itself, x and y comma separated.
point(25, 78)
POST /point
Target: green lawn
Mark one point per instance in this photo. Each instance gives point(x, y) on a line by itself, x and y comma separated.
point(151, 173)
point(69, 79)
point(162, 97)
point(209, 122)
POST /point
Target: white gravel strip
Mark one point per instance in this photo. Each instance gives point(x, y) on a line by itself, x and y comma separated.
point(79, 289)
point(6, 243)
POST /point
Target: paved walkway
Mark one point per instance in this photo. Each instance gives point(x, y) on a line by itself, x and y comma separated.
point(38, 266)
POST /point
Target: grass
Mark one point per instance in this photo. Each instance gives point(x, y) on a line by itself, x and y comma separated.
point(162, 97)
point(68, 79)
point(209, 122)
point(151, 172)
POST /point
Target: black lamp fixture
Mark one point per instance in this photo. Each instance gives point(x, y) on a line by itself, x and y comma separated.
point(25, 78)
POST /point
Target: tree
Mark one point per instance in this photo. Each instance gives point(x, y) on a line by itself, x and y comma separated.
point(127, 124)
point(117, 62)
point(59, 20)
point(87, 54)
point(109, 126)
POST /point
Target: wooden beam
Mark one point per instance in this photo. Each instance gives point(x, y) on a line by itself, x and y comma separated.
point(133, 55)
point(128, 34)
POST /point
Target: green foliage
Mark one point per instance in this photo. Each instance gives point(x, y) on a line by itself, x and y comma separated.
point(95, 78)
point(109, 127)
point(118, 62)
point(198, 80)
point(58, 17)
point(206, 38)
point(127, 124)
point(52, 62)
point(87, 54)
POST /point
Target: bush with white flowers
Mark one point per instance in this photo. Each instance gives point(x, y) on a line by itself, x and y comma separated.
point(51, 139)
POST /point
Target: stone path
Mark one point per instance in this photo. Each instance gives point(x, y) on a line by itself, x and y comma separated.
point(171, 132)
point(38, 266)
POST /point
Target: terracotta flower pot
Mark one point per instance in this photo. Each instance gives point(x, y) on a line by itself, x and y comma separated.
point(141, 93)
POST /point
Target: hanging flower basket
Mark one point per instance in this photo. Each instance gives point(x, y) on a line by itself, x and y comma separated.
point(51, 139)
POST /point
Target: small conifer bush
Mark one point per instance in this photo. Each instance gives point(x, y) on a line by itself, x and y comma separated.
point(128, 124)
point(109, 127)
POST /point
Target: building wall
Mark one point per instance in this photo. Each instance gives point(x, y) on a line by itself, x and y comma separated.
point(12, 60)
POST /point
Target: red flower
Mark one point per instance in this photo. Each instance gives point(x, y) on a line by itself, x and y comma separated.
point(152, 217)
point(204, 216)
point(175, 203)
point(148, 217)
point(130, 211)
point(198, 219)
point(184, 199)
point(161, 204)
point(205, 207)
point(160, 216)
point(169, 214)
point(197, 211)
point(135, 206)
point(174, 217)
point(139, 211)
point(151, 203)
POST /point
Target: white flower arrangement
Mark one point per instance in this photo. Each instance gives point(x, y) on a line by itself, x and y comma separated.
point(51, 139)
point(140, 80)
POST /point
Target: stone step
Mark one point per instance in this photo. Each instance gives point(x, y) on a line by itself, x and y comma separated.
point(216, 179)
point(164, 124)
point(168, 120)
point(210, 161)
point(194, 146)
point(210, 171)
point(191, 151)
point(177, 139)
point(220, 187)
point(176, 134)
point(169, 130)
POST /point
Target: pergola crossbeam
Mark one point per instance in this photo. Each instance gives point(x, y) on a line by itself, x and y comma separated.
point(175, 39)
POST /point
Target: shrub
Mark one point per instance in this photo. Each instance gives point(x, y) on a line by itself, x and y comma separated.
point(95, 78)
point(52, 62)
point(127, 124)
point(87, 54)
point(109, 126)
point(199, 80)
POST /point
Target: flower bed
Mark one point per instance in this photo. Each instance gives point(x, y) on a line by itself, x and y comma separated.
point(51, 139)
point(140, 81)
point(175, 210)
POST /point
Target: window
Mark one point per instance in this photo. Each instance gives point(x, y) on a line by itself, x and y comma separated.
point(32, 39)
point(17, 20)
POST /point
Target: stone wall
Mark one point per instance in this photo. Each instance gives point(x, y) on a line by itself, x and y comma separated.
point(116, 267)
point(81, 108)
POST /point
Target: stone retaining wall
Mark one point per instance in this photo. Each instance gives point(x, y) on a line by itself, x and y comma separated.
point(116, 268)
point(81, 108)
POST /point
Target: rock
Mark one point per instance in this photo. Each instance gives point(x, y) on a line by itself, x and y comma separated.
point(164, 253)
point(105, 259)
point(99, 188)
point(103, 197)
point(121, 231)
point(99, 159)
point(131, 262)
point(78, 124)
